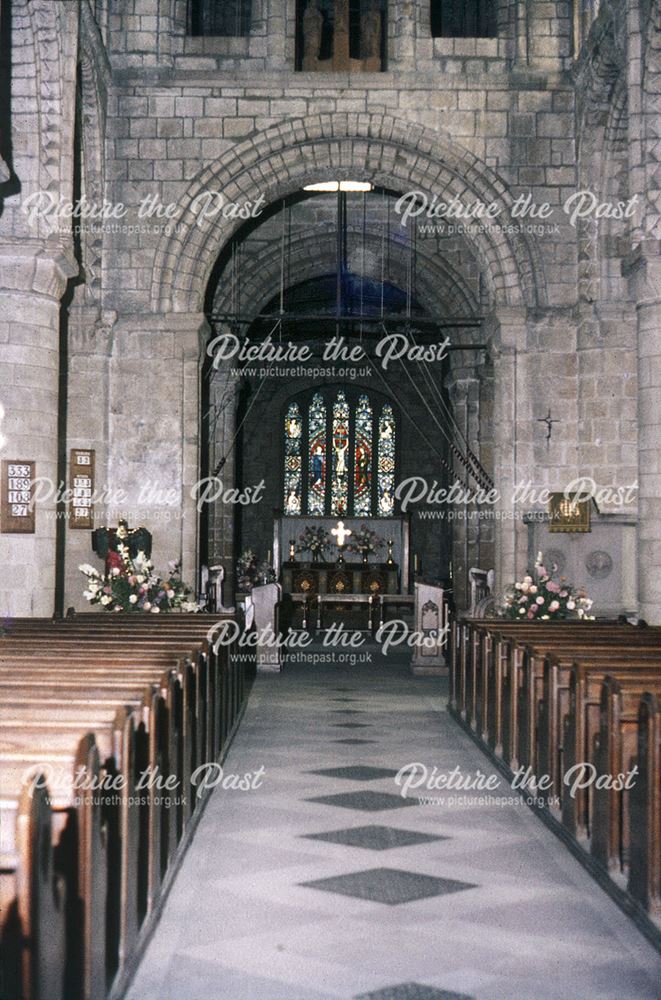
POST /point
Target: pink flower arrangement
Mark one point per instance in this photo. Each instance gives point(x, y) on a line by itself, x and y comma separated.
point(137, 588)
point(540, 598)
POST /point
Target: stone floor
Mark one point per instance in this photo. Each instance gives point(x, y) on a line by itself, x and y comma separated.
point(325, 882)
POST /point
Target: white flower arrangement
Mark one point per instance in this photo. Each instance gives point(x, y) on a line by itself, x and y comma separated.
point(545, 599)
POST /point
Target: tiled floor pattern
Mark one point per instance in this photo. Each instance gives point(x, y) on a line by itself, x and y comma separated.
point(314, 887)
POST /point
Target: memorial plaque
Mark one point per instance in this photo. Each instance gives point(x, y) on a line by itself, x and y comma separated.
point(17, 512)
point(568, 514)
point(81, 485)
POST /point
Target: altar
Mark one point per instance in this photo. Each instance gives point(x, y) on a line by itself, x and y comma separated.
point(316, 578)
point(385, 572)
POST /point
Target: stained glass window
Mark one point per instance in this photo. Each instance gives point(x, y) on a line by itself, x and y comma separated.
point(340, 445)
point(386, 469)
point(317, 455)
point(362, 464)
point(293, 477)
point(339, 454)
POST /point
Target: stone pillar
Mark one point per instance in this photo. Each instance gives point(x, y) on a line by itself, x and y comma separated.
point(154, 429)
point(402, 34)
point(464, 390)
point(223, 402)
point(643, 269)
point(280, 18)
point(33, 277)
point(508, 344)
point(88, 407)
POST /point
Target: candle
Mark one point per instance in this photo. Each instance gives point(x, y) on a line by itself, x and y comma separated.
point(415, 563)
point(268, 558)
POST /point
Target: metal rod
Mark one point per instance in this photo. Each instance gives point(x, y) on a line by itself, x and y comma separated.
point(446, 323)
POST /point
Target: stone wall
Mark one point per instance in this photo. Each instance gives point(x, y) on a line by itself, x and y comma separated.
point(554, 104)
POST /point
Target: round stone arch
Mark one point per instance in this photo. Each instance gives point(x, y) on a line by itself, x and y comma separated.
point(652, 129)
point(387, 151)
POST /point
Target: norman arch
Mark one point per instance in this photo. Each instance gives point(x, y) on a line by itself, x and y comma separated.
point(387, 151)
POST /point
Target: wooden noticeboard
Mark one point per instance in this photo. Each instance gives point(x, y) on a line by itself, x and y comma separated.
point(17, 513)
point(81, 484)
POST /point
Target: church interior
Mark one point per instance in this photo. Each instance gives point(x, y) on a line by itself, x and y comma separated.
point(330, 423)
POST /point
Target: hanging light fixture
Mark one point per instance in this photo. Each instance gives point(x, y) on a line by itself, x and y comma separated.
point(340, 186)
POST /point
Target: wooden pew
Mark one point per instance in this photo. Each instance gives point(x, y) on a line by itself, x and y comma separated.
point(582, 725)
point(80, 840)
point(614, 752)
point(159, 703)
point(537, 695)
point(644, 883)
point(523, 666)
point(115, 732)
point(84, 670)
point(32, 897)
point(550, 708)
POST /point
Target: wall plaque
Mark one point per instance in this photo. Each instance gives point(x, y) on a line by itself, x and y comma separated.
point(81, 484)
point(17, 513)
point(567, 514)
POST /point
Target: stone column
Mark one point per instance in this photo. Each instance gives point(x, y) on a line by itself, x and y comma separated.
point(280, 18)
point(464, 390)
point(508, 344)
point(154, 429)
point(223, 402)
point(33, 277)
point(643, 269)
point(402, 35)
point(89, 352)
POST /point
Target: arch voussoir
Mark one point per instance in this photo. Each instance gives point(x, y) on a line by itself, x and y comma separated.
point(278, 161)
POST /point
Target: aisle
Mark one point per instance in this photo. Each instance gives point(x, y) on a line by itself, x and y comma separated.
point(325, 882)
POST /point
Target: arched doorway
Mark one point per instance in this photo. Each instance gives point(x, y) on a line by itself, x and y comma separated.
point(492, 273)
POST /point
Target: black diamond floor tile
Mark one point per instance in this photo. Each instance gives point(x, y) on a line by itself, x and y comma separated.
point(374, 838)
point(351, 725)
point(354, 743)
point(347, 711)
point(412, 991)
point(389, 886)
point(367, 801)
point(345, 699)
point(356, 772)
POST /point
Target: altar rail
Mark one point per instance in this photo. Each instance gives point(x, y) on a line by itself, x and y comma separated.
point(552, 697)
point(90, 702)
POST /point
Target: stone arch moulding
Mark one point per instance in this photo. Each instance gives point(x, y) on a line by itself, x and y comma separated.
point(652, 110)
point(387, 151)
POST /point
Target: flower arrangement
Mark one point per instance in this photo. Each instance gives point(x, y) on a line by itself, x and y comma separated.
point(246, 570)
point(540, 598)
point(251, 573)
point(134, 586)
point(365, 541)
point(316, 541)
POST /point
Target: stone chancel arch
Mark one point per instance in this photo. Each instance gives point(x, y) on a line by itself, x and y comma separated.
point(387, 151)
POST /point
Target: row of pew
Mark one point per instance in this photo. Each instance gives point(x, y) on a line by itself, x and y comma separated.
point(104, 721)
point(562, 706)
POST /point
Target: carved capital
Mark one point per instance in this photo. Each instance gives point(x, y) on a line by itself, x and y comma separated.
point(642, 269)
point(42, 267)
